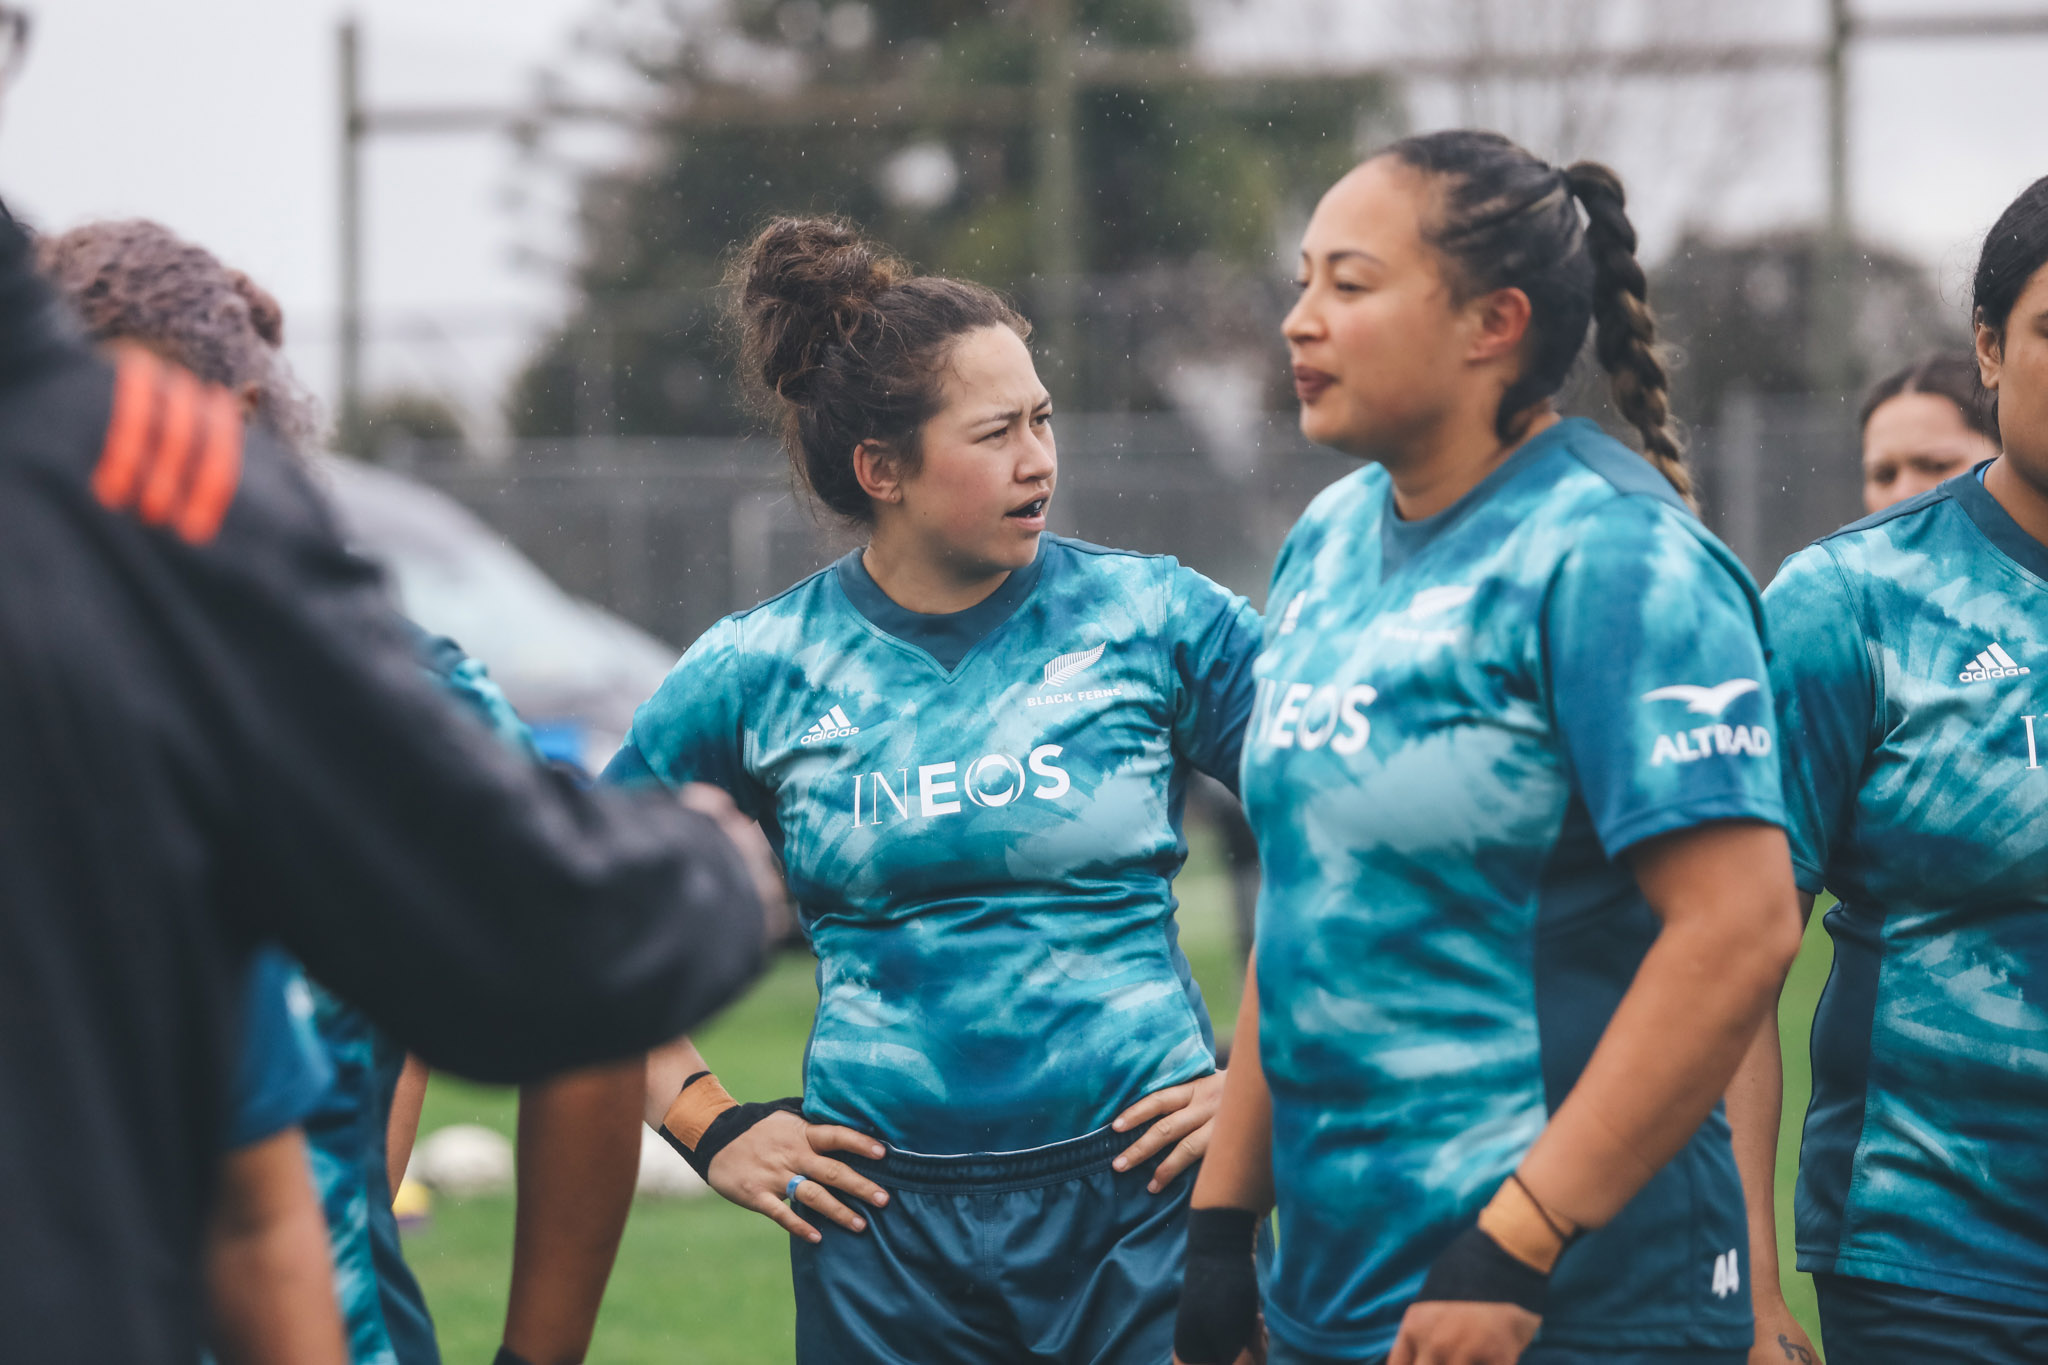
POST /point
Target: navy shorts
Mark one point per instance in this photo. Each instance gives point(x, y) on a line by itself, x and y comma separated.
point(1047, 1255)
point(1866, 1322)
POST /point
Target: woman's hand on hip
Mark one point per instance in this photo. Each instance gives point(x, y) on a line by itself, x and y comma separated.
point(756, 1168)
point(1454, 1333)
point(1185, 1117)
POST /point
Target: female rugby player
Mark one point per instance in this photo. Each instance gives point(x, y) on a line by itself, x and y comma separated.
point(970, 741)
point(1908, 666)
point(1923, 424)
point(1513, 776)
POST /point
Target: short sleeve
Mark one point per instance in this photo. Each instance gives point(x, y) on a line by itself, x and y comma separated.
point(1216, 637)
point(284, 1071)
point(1657, 678)
point(467, 680)
point(1826, 696)
point(693, 728)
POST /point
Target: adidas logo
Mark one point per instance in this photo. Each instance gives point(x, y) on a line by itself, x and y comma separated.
point(1992, 663)
point(1291, 618)
point(832, 725)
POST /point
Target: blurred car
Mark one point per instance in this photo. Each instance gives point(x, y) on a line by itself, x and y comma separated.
point(574, 670)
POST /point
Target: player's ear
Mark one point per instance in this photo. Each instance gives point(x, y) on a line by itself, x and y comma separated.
point(1990, 346)
point(251, 398)
point(1500, 319)
point(878, 471)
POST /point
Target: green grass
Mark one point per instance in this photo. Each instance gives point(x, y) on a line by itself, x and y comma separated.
point(704, 1281)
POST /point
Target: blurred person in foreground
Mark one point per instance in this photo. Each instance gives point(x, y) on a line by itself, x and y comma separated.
point(213, 732)
point(1921, 425)
point(1910, 650)
point(137, 282)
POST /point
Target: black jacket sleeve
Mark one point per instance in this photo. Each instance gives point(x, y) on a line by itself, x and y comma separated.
point(488, 913)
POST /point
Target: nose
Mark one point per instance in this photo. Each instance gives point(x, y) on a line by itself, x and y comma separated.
point(1040, 460)
point(1303, 321)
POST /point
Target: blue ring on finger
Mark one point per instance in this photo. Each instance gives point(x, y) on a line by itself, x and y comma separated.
point(789, 1190)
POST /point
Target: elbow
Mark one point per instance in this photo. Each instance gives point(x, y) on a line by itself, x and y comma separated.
point(1768, 941)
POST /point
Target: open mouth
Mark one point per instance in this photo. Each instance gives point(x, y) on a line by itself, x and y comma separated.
point(1028, 511)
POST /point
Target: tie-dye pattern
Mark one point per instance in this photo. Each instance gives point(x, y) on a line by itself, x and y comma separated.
point(383, 1310)
point(982, 857)
point(1444, 761)
point(1918, 786)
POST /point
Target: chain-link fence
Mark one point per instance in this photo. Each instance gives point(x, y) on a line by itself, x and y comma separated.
point(674, 533)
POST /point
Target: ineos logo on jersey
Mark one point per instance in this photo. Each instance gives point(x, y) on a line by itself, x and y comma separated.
point(1301, 715)
point(991, 781)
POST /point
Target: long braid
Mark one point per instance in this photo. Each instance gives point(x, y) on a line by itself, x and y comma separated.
point(1626, 335)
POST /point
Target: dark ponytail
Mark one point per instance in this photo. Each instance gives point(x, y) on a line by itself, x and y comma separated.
point(846, 345)
point(1506, 220)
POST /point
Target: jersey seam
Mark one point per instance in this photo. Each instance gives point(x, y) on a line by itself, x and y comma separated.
point(1873, 736)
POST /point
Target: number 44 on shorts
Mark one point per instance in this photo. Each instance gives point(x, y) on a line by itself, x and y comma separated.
point(1727, 1277)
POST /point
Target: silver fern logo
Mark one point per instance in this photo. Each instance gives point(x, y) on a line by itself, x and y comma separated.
point(1069, 666)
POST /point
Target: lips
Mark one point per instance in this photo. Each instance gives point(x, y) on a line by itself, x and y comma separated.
point(1034, 510)
point(1310, 384)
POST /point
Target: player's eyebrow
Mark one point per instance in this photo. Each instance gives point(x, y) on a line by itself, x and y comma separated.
point(1009, 415)
point(1345, 253)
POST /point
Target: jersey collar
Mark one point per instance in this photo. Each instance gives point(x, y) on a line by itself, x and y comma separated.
point(1996, 523)
point(947, 637)
point(1401, 541)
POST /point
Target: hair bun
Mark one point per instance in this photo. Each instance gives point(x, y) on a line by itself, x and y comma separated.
point(805, 283)
point(264, 314)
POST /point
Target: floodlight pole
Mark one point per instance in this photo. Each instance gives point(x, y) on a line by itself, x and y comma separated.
point(349, 379)
point(1829, 343)
point(1057, 191)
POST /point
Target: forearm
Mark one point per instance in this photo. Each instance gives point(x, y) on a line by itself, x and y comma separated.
point(1756, 1101)
point(404, 1128)
point(269, 1273)
point(579, 1158)
point(1674, 1042)
point(1238, 1170)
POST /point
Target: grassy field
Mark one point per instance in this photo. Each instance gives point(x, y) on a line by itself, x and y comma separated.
point(700, 1280)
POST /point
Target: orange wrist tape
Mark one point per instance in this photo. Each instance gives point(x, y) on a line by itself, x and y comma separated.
point(1525, 1229)
point(693, 1110)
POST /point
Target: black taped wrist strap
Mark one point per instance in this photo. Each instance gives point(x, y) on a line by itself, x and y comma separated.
point(1219, 1297)
point(1475, 1269)
point(726, 1127)
point(507, 1356)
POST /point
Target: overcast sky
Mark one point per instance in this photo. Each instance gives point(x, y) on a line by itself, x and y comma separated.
point(218, 117)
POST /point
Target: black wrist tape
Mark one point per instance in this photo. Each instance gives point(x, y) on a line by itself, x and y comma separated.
point(725, 1128)
point(507, 1356)
point(1219, 1297)
point(1476, 1269)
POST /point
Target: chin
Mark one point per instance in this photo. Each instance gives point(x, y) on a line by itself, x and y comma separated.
point(1321, 424)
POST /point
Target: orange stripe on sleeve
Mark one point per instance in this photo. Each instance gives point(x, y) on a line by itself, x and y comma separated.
point(172, 453)
point(218, 474)
point(138, 376)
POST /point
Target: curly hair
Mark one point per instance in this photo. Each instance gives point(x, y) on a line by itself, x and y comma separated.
point(844, 343)
point(135, 280)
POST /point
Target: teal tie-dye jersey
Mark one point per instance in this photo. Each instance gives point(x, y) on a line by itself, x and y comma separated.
point(1911, 686)
point(979, 817)
point(383, 1310)
point(1461, 724)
